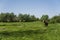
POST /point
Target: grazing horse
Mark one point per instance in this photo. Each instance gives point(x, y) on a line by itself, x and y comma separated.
point(46, 22)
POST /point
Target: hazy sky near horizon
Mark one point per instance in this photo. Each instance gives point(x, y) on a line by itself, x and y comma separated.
point(32, 7)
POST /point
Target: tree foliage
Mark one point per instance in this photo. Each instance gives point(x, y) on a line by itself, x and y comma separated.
point(7, 17)
point(26, 17)
point(44, 17)
point(55, 19)
point(11, 17)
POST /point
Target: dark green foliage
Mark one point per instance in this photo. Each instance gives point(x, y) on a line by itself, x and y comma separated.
point(11, 17)
point(55, 19)
point(7, 17)
point(26, 18)
point(44, 17)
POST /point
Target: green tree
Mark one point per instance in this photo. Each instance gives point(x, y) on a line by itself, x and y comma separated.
point(55, 19)
point(8, 17)
point(33, 18)
point(26, 17)
point(44, 17)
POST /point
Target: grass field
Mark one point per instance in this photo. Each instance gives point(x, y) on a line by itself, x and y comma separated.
point(29, 31)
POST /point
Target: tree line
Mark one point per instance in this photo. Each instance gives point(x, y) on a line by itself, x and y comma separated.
point(11, 17)
point(54, 19)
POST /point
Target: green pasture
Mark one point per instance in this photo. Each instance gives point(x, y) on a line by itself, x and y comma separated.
point(29, 31)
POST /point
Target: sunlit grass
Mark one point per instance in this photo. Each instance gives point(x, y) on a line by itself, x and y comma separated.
point(29, 31)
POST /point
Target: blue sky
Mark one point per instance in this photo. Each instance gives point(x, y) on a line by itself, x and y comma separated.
point(32, 7)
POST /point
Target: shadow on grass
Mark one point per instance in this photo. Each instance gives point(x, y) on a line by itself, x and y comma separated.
point(22, 33)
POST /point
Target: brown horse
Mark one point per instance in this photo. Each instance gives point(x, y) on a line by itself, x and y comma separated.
point(46, 22)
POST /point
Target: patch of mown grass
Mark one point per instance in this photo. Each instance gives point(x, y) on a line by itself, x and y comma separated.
point(30, 31)
point(22, 34)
